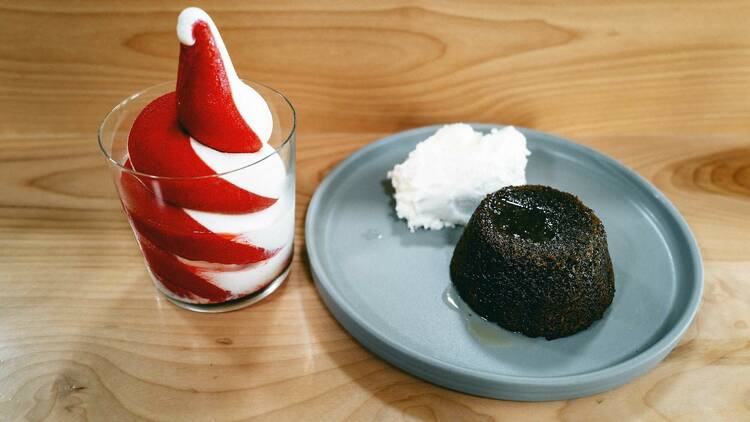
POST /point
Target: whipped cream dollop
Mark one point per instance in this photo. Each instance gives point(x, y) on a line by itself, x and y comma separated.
point(217, 221)
point(445, 177)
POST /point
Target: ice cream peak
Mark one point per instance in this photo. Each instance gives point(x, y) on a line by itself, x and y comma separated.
point(212, 124)
point(213, 104)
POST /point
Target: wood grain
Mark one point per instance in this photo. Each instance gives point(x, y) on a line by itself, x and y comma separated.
point(662, 86)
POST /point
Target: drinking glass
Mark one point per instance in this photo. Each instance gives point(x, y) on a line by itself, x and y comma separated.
point(199, 257)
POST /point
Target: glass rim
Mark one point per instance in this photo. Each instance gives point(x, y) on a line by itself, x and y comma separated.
point(124, 102)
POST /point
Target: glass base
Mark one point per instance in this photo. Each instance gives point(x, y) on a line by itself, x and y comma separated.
point(232, 305)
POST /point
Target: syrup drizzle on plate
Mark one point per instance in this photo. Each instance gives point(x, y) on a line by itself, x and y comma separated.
point(485, 332)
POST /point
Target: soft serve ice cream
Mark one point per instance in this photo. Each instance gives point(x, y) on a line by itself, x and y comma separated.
point(216, 222)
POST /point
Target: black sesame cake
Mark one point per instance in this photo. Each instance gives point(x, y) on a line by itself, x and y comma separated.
point(534, 259)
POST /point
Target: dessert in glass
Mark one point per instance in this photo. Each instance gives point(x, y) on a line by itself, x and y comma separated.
point(205, 171)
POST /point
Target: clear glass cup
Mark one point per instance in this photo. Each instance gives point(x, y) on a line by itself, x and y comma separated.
point(201, 259)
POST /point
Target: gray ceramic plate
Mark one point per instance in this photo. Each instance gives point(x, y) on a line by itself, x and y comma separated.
point(387, 286)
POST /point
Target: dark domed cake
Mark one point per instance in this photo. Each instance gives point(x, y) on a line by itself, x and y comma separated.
point(534, 260)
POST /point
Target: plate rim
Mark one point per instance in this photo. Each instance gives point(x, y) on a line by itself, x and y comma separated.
point(516, 387)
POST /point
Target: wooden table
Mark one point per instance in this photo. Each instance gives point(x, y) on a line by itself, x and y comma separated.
point(662, 86)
